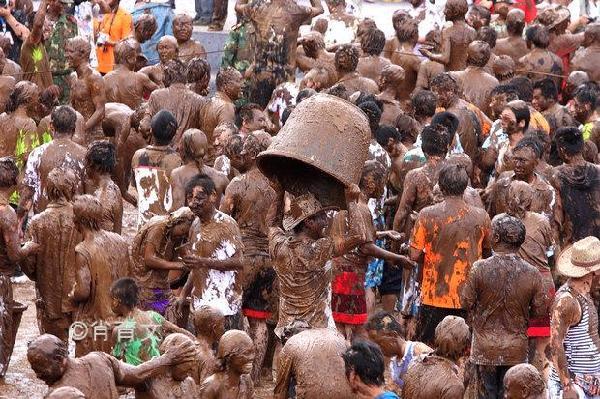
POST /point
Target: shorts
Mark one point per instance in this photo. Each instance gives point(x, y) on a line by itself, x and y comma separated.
point(391, 280)
point(487, 382)
point(428, 319)
point(540, 327)
point(348, 302)
point(256, 303)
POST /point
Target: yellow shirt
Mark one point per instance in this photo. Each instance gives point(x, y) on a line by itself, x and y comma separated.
point(116, 26)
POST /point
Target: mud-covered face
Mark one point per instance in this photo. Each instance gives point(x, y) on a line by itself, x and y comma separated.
point(182, 29)
point(445, 96)
point(508, 121)
point(181, 371)
point(497, 104)
point(579, 110)
point(200, 202)
point(166, 51)
point(524, 162)
point(539, 102)
point(242, 362)
point(48, 368)
point(258, 121)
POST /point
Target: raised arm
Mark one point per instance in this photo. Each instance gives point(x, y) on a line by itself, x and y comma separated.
point(20, 30)
point(35, 36)
point(316, 8)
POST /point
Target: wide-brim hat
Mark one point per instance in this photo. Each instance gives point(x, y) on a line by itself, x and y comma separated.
point(580, 259)
point(301, 208)
point(554, 16)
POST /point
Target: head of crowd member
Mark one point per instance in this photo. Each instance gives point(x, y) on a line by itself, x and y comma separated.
point(126, 53)
point(233, 151)
point(452, 337)
point(488, 35)
point(406, 27)
point(390, 139)
point(446, 89)
point(235, 353)
point(209, 323)
point(503, 7)
point(135, 121)
point(515, 22)
point(193, 145)
point(478, 53)
point(183, 27)
point(339, 90)
point(584, 104)
point(87, 211)
point(478, 16)
point(312, 43)
point(591, 35)
point(221, 135)
point(229, 82)
point(255, 143)
point(508, 233)
point(543, 139)
point(49, 358)
point(574, 80)
point(537, 36)
point(455, 10)
point(65, 393)
point(391, 76)
point(164, 127)
point(365, 366)
point(198, 75)
point(62, 121)
point(384, 330)
point(8, 173)
point(524, 381)
point(590, 151)
point(49, 99)
point(77, 51)
point(408, 129)
point(453, 180)
point(514, 118)
point(144, 27)
point(303, 94)
point(526, 155)
point(100, 159)
point(61, 185)
point(182, 370)
point(520, 195)
point(175, 72)
point(167, 49)
point(569, 143)
point(500, 96)
point(124, 294)
point(424, 103)
point(316, 79)
point(433, 39)
point(251, 117)
point(557, 19)
point(346, 59)
point(201, 197)
point(373, 179)
point(372, 42)
point(524, 87)
point(435, 141)
point(448, 120)
point(373, 112)
point(25, 94)
point(545, 94)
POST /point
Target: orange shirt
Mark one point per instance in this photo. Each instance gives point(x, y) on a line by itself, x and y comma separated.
point(452, 239)
point(117, 27)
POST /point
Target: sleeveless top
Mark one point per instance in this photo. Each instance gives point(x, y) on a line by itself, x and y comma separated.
point(583, 357)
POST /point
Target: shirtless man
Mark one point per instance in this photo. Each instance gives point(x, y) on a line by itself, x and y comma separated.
point(455, 38)
point(429, 68)
point(10, 254)
point(524, 381)
point(539, 58)
point(193, 150)
point(391, 141)
point(371, 64)
point(545, 100)
point(123, 84)
point(209, 325)
point(312, 53)
point(88, 93)
point(188, 47)
point(390, 78)
point(251, 117)
point(399, 50)
point(53, 269)
point(346, 61)
point(220, 110)
point(476, 83)
point(513, 45)
point(307, 354)
point(96, 374)
point(247, 200)
point(588, 59)
point(168, 50)
point(584, 108)
point(96, 270)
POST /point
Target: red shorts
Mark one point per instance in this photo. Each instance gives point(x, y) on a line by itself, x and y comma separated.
point(540, 327)
point(348, 302)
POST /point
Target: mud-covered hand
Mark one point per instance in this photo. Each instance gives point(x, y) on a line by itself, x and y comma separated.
point(196, 262)
point(185, 352)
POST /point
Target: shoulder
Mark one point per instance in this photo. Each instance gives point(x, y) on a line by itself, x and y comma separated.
point(8, 217)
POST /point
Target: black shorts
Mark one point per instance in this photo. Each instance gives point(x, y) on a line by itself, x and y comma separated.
point(428, 319)
point(256, 302)
point(391, 280)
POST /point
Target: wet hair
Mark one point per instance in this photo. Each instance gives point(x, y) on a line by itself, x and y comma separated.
point(123, 49)
point(444, 81)
point(197, 69)
point(384, 133)
point(569, 140)
point(338, 90)
point(364, 97)
point(256, 142)
point(435, 140)
point(531, 143)
point(408, 30)
point(590, 151)
point(478, 53)
point(504, 67)
point(524, 87)
point(64, 119)
point(234, 145)
point(392, 75)
point(175, 72)
point(482, 12)
point(188, 151)
point(407, 127)
point(488, 35)
point(60, 351)
point(346, 58)
point(8, 172)
point(146, 24)
point(541, 136)
point(296, 326)
point(164, 127)
point(514, 25)
point(528, 380)
point(138, 114)
point(204, 315)
point(373, 168)
point(101, 156)
point(177, 17)
point(385, 322)
point(456, 9)
point(592, 33)
point(448, 120)
point(225, 76)
point(509, 229)
point(547, 87)
point(49, 96)
point(286, 114)
point(126, 291)
point(453, 179)
point(538, 35)
point(246, 112)
point(203, 181)
point(452, 337)
point(521, 112)
point(61, 183)
point(587, 96)
point(509, 90)
point(373, 112)
point(22, 93)
point(366, 360)
point(81, 45)
point(88, 211)
point(304, 94)
point(372, 42)
point(424, 103)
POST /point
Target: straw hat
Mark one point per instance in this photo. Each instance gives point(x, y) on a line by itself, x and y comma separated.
point(301, 208)
point(554, 16)
point(581, 258)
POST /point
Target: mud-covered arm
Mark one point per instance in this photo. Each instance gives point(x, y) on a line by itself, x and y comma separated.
point(228, 201)
point(357, 230)
point(98, 91)
point(565, 313)
point(284, 374)
point(370, 249)
point(539, 303)
point(316, 8)
point(35, 35)
point(83, 279)
point(558, 219)
point(407, 201)
point(444, 56)
point(10, 234)
point(468, 295)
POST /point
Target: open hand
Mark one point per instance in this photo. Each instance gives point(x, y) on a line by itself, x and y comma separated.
point(185, 352)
